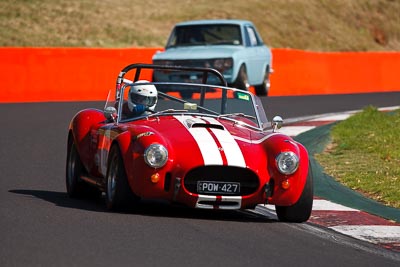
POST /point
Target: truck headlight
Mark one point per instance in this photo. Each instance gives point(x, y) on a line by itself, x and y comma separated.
point(156, 155)
point(287, 162)
point(222, 64)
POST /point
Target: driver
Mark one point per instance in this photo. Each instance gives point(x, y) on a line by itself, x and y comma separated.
point(142, 98)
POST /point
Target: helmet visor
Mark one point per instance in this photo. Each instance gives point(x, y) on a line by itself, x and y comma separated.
point(147, 101)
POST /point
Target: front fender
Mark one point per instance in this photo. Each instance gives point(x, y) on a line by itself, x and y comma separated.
point(80, 127)
point(286, 196)
point(132, 144)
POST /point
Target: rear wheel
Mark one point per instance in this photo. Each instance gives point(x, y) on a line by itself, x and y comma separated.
point(76, 188)
point(118, 192)
point(263, 89)
point(242, 81)
point(301, 210)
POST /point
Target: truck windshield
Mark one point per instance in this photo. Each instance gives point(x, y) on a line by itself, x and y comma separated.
point(213, 34)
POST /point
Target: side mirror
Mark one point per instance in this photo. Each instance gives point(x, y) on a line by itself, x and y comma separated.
point(277, 123)
point(110, 113)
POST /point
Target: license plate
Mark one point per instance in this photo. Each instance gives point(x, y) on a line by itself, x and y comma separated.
point(218, 187)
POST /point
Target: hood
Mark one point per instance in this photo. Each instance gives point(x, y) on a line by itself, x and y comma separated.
point(195, 141)
point(197, 52)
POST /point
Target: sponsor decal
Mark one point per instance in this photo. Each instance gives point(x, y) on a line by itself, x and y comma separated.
point(243, 96)
point(144, 134)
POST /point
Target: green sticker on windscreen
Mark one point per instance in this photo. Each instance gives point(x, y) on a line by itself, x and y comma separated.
point(243, 96)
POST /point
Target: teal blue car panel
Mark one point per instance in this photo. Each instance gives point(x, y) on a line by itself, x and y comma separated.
point(225, 45)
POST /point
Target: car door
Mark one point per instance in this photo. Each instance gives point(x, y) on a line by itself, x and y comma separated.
point(255, 55)
point(101, 141)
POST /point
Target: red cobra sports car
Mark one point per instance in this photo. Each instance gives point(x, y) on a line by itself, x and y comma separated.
point(215, 150)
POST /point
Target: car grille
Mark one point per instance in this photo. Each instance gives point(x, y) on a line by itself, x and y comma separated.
point(248, 180)
point(190, 63)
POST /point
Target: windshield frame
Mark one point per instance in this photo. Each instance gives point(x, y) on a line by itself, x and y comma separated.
point(260, 122)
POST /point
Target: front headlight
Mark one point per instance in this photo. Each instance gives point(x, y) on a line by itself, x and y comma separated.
point(222, 64)
point(156, 155)
point(287, 162)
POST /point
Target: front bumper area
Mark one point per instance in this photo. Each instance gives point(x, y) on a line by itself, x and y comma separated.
point(219, 202)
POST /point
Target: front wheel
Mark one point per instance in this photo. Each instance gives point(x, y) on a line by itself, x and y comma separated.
point(118, 192)
point(301, 210)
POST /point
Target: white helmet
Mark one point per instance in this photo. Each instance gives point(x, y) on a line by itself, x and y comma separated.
point(144, 95)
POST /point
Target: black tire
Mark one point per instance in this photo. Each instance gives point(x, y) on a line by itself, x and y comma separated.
point(301, 210)
point(76, 188)
point(263, 89)
point(242, 81)
point(119, 195)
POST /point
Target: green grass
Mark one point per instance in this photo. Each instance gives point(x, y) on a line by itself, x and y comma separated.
point(317, 25)
point(365, 154)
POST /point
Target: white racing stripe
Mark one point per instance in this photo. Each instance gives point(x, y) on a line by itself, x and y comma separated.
point(209, 148)
point(231, 148)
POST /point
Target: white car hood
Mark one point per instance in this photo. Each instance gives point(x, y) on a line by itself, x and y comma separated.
point(197, 52)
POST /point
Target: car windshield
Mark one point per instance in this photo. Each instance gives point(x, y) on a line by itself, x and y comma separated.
point(212, 34)
point(199, 100)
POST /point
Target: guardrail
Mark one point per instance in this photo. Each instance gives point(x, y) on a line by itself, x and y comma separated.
point(308, 73)
point(87, 74)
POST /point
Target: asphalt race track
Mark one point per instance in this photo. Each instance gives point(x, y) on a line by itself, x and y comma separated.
point(41, 226)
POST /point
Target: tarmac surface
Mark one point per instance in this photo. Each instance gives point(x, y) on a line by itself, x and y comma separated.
point(41, 226)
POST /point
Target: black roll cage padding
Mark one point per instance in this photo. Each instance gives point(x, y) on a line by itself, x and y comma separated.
point(140, 66)
point(205, 71)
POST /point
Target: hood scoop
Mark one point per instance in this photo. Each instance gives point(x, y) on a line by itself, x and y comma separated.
point(199, 123)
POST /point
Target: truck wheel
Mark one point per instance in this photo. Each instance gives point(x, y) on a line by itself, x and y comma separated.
point(242, 81)
point(301, 210)
point(118, 192)
point(263, 89)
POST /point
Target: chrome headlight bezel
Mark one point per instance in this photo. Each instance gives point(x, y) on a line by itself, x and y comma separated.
point(156, 155)
point(287, 162)
point(220, 64)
